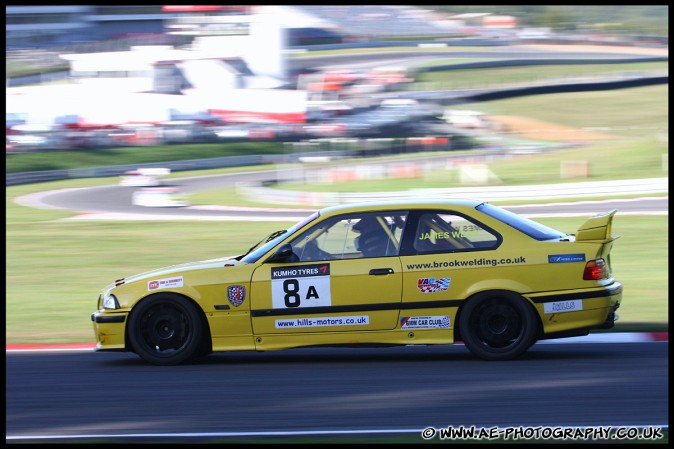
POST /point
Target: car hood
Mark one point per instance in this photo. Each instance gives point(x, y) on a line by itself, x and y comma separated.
point(181, 268)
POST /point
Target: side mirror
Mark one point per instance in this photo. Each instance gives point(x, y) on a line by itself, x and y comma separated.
point(283, 254)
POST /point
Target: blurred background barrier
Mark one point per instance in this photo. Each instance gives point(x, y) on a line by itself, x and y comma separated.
point(118, 170)
point(486, 193)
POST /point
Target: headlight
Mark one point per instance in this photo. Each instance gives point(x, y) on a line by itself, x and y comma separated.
point(110, 302)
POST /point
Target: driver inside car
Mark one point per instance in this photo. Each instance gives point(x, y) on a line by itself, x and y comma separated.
point(372, 240)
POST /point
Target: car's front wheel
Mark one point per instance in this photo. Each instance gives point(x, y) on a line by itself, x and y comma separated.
point(498, 326)
point(165, 330)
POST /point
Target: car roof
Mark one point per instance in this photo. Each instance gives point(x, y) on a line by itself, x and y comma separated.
point(377, 206)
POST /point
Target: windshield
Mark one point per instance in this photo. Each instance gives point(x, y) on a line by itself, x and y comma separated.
point(529, 227)
point(269, 238)
point(266, 244)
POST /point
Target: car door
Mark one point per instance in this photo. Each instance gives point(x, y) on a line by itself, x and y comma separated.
point(334, 284)
point(445, 255)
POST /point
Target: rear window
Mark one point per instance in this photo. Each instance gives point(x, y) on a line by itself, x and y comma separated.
point(529, 227)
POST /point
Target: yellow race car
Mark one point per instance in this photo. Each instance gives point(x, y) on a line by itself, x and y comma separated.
point(388, 273)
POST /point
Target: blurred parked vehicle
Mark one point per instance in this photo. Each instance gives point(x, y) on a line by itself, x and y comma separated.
point(143, 177)
point(31, 137)
point(159, 197)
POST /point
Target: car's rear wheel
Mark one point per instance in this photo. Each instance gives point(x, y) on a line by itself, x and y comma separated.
point(166, 330)
point(498, 326)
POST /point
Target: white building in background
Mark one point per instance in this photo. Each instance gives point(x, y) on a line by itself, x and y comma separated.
point(245, 46)
point(234, 70)
point(165, 69)
point(261, 42)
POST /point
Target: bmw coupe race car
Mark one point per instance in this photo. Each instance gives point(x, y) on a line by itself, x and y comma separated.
point(390, 273)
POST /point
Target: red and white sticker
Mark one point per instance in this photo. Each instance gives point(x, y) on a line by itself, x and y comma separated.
point(165, 283)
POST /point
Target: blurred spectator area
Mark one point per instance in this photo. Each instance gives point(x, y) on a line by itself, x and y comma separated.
point(371, 21)
point(92, 28)
point(37, 34)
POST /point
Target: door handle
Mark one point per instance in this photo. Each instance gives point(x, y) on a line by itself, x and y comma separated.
point(381, 271)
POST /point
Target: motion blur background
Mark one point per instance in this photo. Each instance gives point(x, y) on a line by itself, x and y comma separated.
point(80, 77)
point(143, 95)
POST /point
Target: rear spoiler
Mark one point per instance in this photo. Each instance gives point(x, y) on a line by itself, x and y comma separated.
point(597, 228)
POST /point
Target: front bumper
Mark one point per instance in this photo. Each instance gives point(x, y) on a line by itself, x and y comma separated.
point(109, 330)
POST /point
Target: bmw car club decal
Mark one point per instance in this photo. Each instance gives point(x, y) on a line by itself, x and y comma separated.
point(424, 322)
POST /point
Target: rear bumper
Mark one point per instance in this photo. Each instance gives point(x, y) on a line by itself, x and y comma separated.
point(610, 319)
point(577, 312)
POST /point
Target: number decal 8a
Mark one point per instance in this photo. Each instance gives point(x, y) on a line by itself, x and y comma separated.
point(291, 287)
point(297, 287)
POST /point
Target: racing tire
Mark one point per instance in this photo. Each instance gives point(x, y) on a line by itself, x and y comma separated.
point(166, 330)
point(498, 326)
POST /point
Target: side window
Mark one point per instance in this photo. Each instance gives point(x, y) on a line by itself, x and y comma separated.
point(441, 232)
point(352, 236)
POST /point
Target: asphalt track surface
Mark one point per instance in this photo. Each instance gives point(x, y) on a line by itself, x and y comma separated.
point(113, 397)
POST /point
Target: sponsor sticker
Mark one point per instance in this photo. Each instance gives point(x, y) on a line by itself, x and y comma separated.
point(424, 322)
point(432, 285)
point(566, 258)
point(361, 320)
point(301, 286)
point(573, 305)
point(165, 283)
point(236, 294)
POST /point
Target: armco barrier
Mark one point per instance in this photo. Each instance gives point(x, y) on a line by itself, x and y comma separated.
point(118, 170)
point(457, 96)
point(486, 193)
point(192, 164)
point(528, 62)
